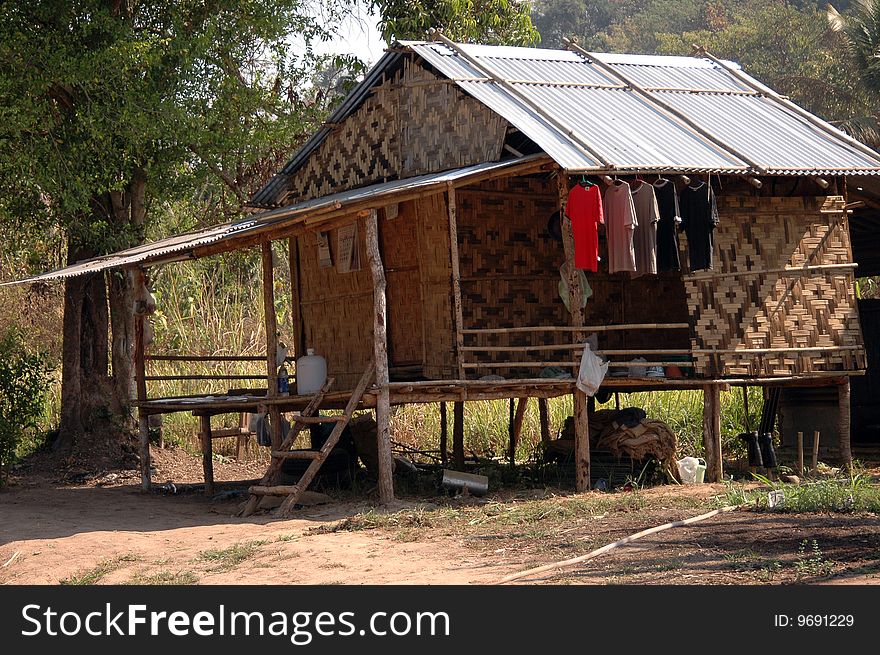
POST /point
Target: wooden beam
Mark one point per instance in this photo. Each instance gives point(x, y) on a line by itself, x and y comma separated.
point(444, 433)
point(545, 420)
point(516, 427)
point(143, 417)
point(843, 424)
point(380, 353)
point(458, 435)
point(457, 312)
point(207, 453)
point(581, 441)
point(299, 347)
point(712, 431)
point(271, 342)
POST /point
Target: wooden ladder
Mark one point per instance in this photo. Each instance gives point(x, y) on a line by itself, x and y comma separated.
point(267, 486)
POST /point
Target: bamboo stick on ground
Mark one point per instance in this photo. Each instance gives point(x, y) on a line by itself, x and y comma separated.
point(621, 542)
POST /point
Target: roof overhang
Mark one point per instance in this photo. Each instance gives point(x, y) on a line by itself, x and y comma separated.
point(311, 216)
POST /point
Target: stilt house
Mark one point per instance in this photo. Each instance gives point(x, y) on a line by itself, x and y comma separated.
point(419, 220)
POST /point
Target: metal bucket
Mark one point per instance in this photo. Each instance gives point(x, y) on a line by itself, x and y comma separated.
point(476, 485)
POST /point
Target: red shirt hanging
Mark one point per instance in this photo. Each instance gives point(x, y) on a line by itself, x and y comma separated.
point(584, 208)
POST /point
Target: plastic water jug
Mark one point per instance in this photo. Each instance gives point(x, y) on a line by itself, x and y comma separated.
point(311, 373)
point(692, 469)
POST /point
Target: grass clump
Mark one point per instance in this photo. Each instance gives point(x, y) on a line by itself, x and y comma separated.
point(98, 572)
point(843, 494)
point(166, 578)
point(226, 559)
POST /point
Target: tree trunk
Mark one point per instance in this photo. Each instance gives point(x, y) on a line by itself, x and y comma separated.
point(95, 403)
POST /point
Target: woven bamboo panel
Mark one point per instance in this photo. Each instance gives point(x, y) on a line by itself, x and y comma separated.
point(400, 255)
point(510, 278)
point(337, 310)
point(773, 310)
point(436, 283)
point(409, 126)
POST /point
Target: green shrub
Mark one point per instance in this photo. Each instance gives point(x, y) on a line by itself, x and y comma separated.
point(24, 380)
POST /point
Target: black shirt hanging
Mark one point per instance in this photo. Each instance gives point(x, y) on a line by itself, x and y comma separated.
point(699, 216)
point(667, 233)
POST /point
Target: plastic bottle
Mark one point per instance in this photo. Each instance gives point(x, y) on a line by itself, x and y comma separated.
point(283, 381)
point(311, 373)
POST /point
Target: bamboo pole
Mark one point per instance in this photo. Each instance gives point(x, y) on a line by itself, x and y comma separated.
point(712, 431)
point(545, 420)
point(158, 378)
point(579, 328)
point(516, 428)
point(843, 424)
point(207, 453)
point(296, 297)
point(815, 451)
point(581, 415)
point(206, 358)
point(576, 346)
point(444, 433)
point(458, 434)
point(271, 342)
point(784, 272)
point(143, 417)
point(536, 364)
point(800, 453)
point(620, 542)
point(380, 353)
point(747, 419)
point(458, 314)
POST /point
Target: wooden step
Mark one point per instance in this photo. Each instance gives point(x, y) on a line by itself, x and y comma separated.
point(279, 490)
point(222, 433)
point(296, 454)
point(312, 420)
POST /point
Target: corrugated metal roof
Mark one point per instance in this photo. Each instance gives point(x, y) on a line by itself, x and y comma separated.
point(183, 246)
point(587, 114)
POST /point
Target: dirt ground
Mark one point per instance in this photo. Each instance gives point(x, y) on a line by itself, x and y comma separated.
point(100, 529)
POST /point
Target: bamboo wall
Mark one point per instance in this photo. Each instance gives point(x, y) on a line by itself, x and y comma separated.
point(510, 278)
point(771, 310)
point(414, 123)
point(337, 307)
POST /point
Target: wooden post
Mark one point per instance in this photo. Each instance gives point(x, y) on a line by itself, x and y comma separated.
point(516, 427)
point(843, 425)
point(747, 421)
point(712, 431)
point(207, 453)
point(800, 453)
point(545, 420)
point(143, 419)
point(458, 435)
point(380, 353)
point(815, 450)
point(456, 282)
point(581, 415)
point(444, 432)
point(299, 346)
point(271, 343)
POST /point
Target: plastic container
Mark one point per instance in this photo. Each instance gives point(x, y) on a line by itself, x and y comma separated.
point(692, 470)
point(283, 381)
point(311, 373)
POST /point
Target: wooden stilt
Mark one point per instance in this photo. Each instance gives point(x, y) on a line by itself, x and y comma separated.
point(581, 442)
point(207, 453)
point(516, 428)
point(444, 433)
point(271, 343)
point(800, 453)
point(815, 462)
point(712, 431)
point(545, 420)
point(458, 435)
point(141, 387)
point(299, 347)
point(380, 353)
point(747, 422)
point(458, 314)
point(843, 425)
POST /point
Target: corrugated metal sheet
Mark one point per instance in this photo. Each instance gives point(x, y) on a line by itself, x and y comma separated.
point(579, 125)
point(183, 245)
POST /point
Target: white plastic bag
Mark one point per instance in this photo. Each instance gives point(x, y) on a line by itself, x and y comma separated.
point(592, 371)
